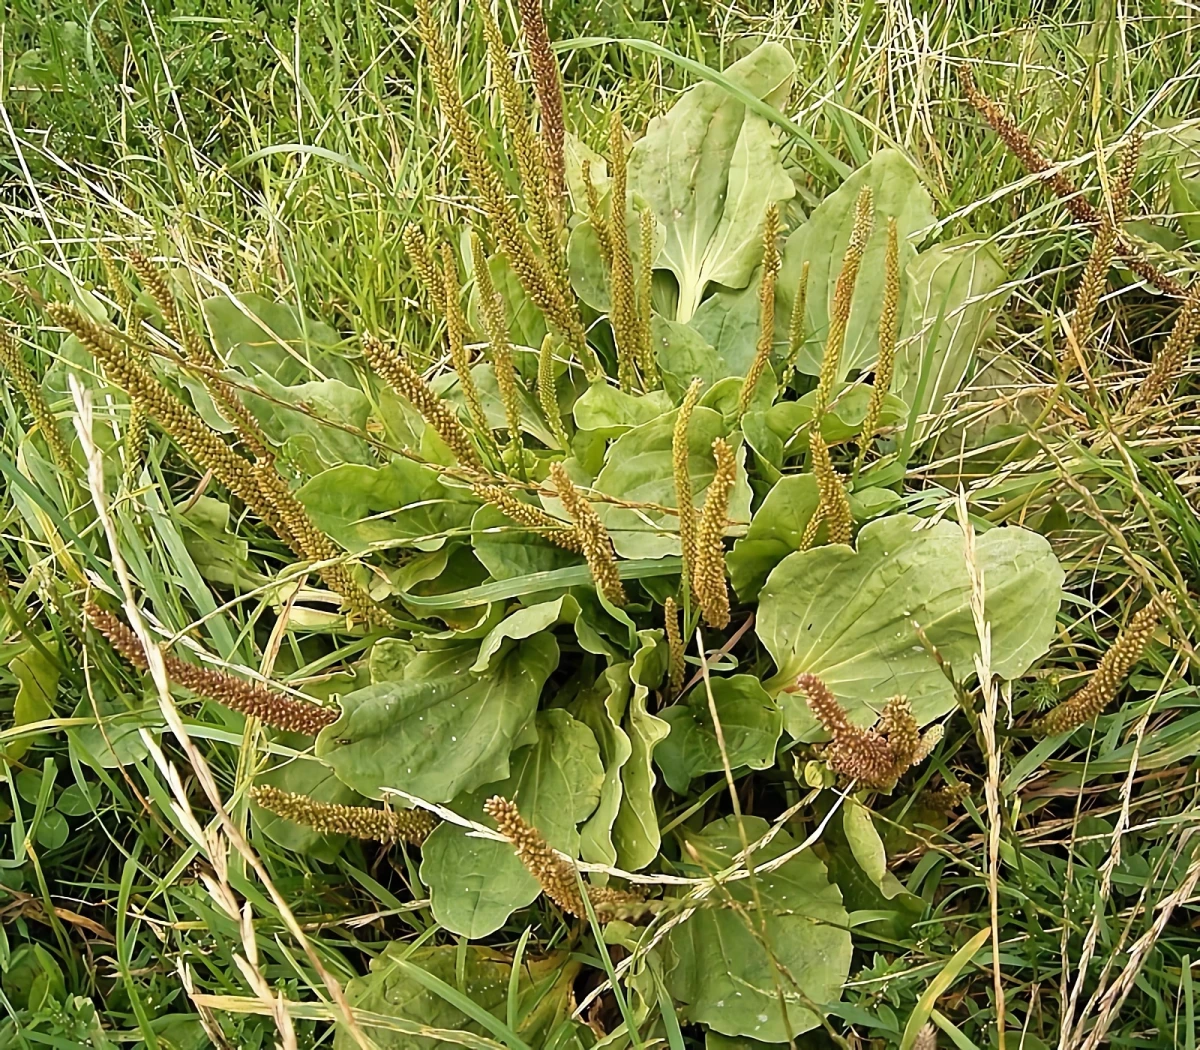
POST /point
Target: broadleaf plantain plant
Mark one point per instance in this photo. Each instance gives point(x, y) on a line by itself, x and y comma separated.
point(655, 378)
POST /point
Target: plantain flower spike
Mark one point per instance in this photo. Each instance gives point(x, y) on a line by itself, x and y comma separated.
point(843, 300)
point(527, 514)
point(889, 315)
point(391, 365)
point(1114, 667)
point(547, 85)
point(1169, 361)
point(708, 582)
point(1104, 247)
point(22, 377)
point(248, 698)
point(416, 247)
point(676, 665)
point(555, 874)
point(456, 334)
point(685, 501)
point(833, 507)
point(359, 822)
point(766, 308)
point(651, 379)
point(547, 392)
point(623, 307)
point(596, 217)
point(593, 536)
point(495, 320)
point(796, 324)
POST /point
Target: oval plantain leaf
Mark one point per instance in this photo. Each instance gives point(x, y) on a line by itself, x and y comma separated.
point(439, 730)
point(751, 723)
point(957, 290)
point(708, 169)
point(721, 970)
point(848, 615)
point(475, 884)
point(402, 501)
point(639, 468)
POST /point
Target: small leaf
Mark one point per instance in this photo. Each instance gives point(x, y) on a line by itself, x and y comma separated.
point(439, 730)
point(721, 971)
point(52, 830)
point(848, 615)
point(751, 723)
point(775, 532)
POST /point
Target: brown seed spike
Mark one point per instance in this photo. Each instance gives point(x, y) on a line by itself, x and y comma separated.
point(547, 85)
point(247, 698)
point(1113, 669)
point(360, 822)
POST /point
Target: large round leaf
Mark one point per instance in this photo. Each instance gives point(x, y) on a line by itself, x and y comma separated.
point(439, 730)
point(721, 970)
point(848, 615)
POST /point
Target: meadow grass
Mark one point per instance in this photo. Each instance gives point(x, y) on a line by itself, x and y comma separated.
point(282, 149)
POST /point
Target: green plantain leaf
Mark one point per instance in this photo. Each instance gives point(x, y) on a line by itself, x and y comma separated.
point(684, 354)
point(821, 242)
point(961, 284)
point(402, 501)
point(729, 320)
point(708, 169)
point(602, 709)
point(475, 883)
point(751, 724)
point(848, 615)
point(611, 412)
point(510, 551)
point(315, 425)
point(790, 420)
point(260, 337)
point(390, 991)
point(722, 972)
point(439, 730)
point(639, 468)
point(635, 834)
point(775, 532)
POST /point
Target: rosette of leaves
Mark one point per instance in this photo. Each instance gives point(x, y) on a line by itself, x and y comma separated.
point(633, 410)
